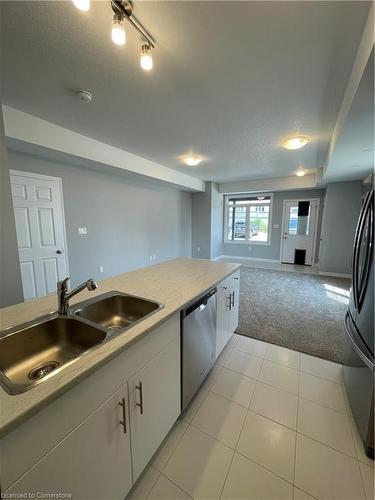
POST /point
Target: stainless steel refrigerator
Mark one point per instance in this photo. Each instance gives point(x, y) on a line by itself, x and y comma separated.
point(358, 368)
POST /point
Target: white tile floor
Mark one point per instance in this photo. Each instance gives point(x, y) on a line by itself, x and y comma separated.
point(269, 423)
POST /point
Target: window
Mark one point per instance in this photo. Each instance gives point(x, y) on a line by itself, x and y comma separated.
point(248, 218)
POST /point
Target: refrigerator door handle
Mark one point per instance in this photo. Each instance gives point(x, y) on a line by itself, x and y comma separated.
point(369, 214)
point(355, 342)
point(355, 255)
point(367, 205)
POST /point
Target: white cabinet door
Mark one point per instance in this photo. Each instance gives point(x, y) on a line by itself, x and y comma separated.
point(222, 321)
point(94, 461)
point(155, 404)
point(235, 298)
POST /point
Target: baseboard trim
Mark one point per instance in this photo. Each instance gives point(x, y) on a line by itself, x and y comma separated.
point(218, 258)
point(246, 258)
point(335, 275)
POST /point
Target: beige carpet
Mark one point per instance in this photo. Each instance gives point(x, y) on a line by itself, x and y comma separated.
point(294, 310)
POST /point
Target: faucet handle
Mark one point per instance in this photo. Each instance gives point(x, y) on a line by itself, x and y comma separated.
point(63, 285)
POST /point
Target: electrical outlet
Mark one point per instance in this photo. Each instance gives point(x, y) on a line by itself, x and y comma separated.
point(101, 269)
point(82, 230)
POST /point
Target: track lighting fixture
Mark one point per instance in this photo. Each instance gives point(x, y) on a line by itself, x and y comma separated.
point(82, 4)
point(118, 30)
point(146, 57)
point(123, 12)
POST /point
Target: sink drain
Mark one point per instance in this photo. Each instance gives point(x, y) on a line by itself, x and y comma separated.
point(42, 370)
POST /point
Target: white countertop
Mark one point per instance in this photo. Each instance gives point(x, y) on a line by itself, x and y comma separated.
point(174, 283)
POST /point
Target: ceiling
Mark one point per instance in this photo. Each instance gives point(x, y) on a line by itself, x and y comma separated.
point(353, 157)
point(230, 79)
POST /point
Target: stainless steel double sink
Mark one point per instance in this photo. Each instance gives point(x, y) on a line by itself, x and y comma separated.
point(33, 352)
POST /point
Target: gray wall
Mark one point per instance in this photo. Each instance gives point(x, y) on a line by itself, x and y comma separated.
point(127, 220)
point(201, 224)
point(272, 251)
point(207, 223)
point(217, 212)
point(342, 207)
point(10, 275)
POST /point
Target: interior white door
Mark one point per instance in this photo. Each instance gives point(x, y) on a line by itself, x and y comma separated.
point(299, 230)
point(40, 232)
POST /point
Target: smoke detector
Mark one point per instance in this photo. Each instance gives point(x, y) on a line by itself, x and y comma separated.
point(84, 95)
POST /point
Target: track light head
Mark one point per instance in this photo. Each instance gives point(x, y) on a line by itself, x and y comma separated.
point(146, 57)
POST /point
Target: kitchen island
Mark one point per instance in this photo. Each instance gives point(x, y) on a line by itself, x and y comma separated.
point(132, 382)
point(174, 283)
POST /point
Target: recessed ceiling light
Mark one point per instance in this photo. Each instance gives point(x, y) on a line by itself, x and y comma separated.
point(300, 173)
point(295, 142)
point(260, 198)
point(192, 160)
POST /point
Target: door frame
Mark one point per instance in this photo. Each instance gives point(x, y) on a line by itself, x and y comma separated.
point(35, 175)
point(315, 227)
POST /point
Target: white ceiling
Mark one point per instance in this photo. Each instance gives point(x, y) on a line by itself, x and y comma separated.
point(231, 79)
point(353, 157)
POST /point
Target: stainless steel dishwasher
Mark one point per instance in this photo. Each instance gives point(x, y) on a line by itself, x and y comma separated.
point(198, 330)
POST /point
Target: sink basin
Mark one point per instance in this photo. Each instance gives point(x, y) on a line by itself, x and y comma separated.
point(116, 311)
point(31, 353)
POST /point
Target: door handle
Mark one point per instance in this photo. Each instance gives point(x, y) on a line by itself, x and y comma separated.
point(140, 404)
point(232, 294)
point(123, 421)
point(229, 306)
point(60, 251)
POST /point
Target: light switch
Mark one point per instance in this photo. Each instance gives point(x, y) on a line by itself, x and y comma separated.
point(82, 230)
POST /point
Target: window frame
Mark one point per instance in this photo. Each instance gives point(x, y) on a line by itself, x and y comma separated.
point(247, 242)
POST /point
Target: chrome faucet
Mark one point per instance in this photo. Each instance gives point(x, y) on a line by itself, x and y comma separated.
point(63, 295)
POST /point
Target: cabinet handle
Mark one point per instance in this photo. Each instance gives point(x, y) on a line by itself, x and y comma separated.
point(236, 278)
point(232, 299)
point(123, 421)
point(229, 306)
point(140, 404)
